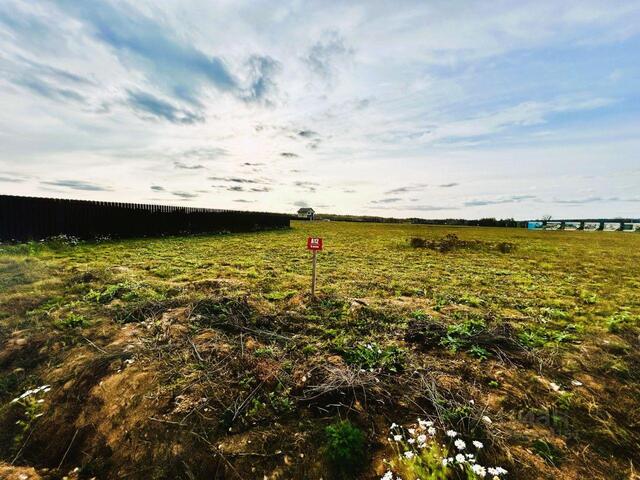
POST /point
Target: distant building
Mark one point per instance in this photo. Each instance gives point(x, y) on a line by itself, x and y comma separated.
point(306, 213)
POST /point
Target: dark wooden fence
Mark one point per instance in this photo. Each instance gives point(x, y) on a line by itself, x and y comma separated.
point(29, 218)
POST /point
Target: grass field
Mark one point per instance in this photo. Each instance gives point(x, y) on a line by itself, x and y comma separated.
point(205, 357)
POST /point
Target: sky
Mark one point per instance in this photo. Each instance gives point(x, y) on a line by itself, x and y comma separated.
point(431, 109)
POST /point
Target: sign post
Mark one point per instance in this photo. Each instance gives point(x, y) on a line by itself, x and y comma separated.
point(314, 244)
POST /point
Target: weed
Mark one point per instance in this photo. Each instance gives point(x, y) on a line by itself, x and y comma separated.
point(458, 334)
point(345, 448)
point(587, 297)
point(371, 356)
point(31, 403)
point(72, 320)
point(622, 321)
point(280, 295)
point(547, 451)
point(471, 300)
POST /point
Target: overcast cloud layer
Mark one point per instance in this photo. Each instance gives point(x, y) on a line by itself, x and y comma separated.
point(431, 109)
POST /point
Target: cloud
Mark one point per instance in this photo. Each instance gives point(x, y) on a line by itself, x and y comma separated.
point(417, 208)
point(263, 181)
point(431, 208)
point(11, 180)
point(595, 199)
point(242, 200)
point(78, 185)
point(184, 195)
point(167, 59)
point(184, 166)
point(308, 134)
point(236, 188)
point(322, 55)
point(289, 155)
point(260, 189)
point(388, 200)
point(498, 201)
point(349, 191)
point(146, 103)
point(43, 70)
point(45, 89)
point(262, 85)
point(308, 186)
point(301, 204)
point(448, 185)
point(157, 188)
point(408, 188)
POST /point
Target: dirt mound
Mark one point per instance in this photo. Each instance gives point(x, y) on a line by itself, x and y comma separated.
point(9, 472)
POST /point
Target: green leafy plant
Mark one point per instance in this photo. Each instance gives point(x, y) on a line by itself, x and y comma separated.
point(548, 451)
point(588, 297)
point(372, 356)
point(72, 320)
point(458, 334)
point(345, 448)
point(622, 321)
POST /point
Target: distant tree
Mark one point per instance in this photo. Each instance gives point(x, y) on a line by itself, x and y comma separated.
point(546, 218)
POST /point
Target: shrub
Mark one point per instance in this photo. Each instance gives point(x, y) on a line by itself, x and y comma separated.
point(417, 242)
point(452, 242)
point(345, 448)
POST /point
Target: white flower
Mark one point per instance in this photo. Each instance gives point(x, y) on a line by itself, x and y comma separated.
point(451, 433)
point(422, 438)
point(496, 471)
point(486, 420)
point(411, 441)
point(397, 438)
point(393, 425)
point(387, 476)
point(460, 445)
point(431, 431)
point(477, 444)
point(445, 461)
point(554, 386)
point(576, 383)
point(412, 431)
point(408, 454)
point(425, 423)
point(479, 470)
point(460, 458)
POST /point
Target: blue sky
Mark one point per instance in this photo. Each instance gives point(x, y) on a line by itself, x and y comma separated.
point(432, 108)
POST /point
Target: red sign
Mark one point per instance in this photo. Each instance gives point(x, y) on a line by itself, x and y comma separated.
point(314, 243)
